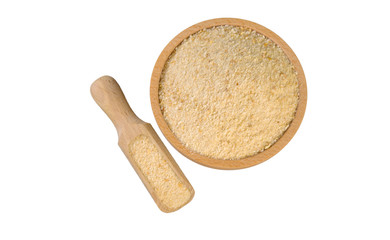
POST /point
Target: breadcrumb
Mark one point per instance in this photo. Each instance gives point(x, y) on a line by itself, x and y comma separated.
point(168, 187)
point(228, 92)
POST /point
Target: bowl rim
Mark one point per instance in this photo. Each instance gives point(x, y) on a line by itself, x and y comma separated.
point(220, 163)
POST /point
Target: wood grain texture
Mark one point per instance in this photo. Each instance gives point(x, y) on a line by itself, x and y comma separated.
point(109, 96)
point(219, 163)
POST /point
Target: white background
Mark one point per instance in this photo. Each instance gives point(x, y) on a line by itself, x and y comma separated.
point(62, 175)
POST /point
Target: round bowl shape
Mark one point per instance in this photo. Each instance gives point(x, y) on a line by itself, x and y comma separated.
point(220, 163)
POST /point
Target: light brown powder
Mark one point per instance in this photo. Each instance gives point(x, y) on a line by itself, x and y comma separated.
point(228, 92)
point(168, 187)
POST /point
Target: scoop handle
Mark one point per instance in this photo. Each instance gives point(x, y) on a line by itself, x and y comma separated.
point(109, 96)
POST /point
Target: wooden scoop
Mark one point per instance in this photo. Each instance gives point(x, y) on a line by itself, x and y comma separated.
point(143, 148)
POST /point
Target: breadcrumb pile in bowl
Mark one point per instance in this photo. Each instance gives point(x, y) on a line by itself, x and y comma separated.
point(228, 93)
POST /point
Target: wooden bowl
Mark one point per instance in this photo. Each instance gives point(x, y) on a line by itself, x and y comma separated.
point(219, 163)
